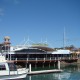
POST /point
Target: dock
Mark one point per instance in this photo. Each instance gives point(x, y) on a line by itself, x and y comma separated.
point(45, 72)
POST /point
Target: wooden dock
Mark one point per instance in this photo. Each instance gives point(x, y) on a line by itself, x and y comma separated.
point(45, 72)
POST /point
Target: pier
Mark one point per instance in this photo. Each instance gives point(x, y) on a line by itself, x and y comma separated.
point(44, 72)
point(42, 62)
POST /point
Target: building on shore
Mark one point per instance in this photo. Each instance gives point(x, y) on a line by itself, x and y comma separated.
point(38, 53)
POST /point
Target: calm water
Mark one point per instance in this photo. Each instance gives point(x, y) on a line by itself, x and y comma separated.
point(71, 72)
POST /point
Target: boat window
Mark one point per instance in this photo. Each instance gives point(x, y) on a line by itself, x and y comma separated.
point(2, 67)
point(12, 67)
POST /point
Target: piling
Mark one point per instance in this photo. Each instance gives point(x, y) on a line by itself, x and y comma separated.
point(59, 64)
point(29, 67)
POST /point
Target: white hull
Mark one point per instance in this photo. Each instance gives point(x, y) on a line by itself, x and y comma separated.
point(8, 70)
point(13, 77)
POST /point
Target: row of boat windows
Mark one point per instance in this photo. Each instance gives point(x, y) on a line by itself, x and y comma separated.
point(12, 67)
point(2, 67)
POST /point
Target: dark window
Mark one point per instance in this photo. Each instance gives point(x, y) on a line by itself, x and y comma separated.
point(2, 67)
point(12, 67)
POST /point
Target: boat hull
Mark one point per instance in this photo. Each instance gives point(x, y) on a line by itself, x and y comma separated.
point(13, 77)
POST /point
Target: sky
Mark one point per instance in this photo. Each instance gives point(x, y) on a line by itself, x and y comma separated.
point(41, 21)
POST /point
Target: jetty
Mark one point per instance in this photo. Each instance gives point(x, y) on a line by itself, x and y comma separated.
point(44, 72)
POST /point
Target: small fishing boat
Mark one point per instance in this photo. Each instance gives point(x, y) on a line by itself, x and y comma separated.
point(9, 71)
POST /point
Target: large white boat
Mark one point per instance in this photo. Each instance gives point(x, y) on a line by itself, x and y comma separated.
point(9, 71)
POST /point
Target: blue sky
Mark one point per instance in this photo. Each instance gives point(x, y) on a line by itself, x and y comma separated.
point(41, 20)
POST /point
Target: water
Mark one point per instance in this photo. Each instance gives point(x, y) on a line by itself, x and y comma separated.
point(70, 72)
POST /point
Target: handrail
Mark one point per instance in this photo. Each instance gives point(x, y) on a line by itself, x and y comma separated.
point(48, 58)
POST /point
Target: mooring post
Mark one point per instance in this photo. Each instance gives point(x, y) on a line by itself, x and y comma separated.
point(59, 64)
point(49, 65)
point(16, 60)
point(29, 67)
point(35, 65)
point(43, 65)
point(54, 64)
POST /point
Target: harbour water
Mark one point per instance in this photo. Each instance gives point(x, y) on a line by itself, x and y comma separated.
point(70, 72)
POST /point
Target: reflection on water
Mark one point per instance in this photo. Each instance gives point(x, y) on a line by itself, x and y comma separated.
point(71, 72)
point(61, 76)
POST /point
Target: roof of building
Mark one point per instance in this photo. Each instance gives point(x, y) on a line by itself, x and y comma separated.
point(43, 48)
point(61, 52)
